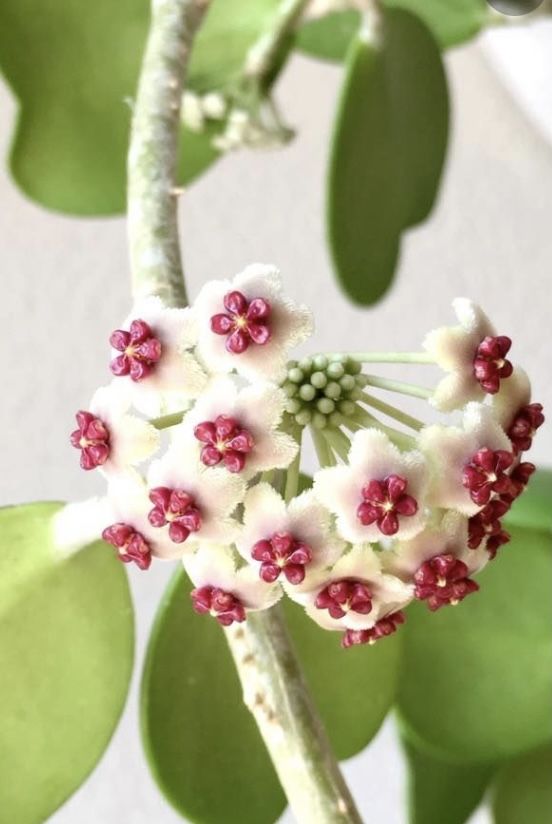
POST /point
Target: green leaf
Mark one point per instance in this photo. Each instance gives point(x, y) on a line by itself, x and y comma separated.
point(450, 21)
point(202, 743)
point(353, 689)
point(477, 678)
point(328, 37)
point(533, 509)
point(389, 145)
point(439, 791)
point(66, 650)
point(523, 790)
point(71, 138)
point(229, 31)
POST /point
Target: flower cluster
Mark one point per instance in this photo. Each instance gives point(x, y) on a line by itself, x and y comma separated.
point(394, 513)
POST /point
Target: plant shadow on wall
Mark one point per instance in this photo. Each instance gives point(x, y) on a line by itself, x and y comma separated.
point(400, 514)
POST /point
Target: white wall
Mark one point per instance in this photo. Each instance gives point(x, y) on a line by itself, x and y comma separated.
point(65, 287)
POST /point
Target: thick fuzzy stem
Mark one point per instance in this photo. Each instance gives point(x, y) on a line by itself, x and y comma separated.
point(152, 158)
point(274, 689)
point(276, 694)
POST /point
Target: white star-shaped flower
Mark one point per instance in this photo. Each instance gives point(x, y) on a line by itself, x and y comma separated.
point(192, 502)
point(223, 590)
point(455, 349)
point(285, 541)
point(454, 450)
point(355, 594)
point(151, 354)
point(381, 492)
point(247, 324)
point(514, 395)
point(121, 518)
point(108, 437)
point(449, 537)
point(239, 428)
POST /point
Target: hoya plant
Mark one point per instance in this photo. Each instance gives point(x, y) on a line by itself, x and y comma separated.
point(409, 573)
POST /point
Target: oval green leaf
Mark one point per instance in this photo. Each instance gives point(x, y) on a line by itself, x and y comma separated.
point(388, 150)
point(439, 791)
point(71, 138)
point(66, 651)
point(533, 509)
point(353, 689)
point(201, 742)
point(477, 679)
point(523, 790)
point(450, 21)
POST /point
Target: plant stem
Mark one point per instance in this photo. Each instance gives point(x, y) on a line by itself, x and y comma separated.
point(167, 420)
point(391, 357)
point(273, 685)
point(398, 386)
point(264, 56)
point(276, 694)
point(337, 441)
point(323, 452)
point(401, 439)
point(152, 158)
point(391, 411)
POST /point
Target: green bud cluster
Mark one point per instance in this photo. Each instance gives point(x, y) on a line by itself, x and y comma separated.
point(322, 390)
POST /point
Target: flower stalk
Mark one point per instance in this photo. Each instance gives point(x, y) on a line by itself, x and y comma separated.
point(273, 685)
point(276, 694)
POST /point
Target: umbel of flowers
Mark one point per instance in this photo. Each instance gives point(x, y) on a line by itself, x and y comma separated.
point(397, 511)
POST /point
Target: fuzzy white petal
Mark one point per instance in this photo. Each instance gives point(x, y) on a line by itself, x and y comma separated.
point(79, 524)
point(514, 393)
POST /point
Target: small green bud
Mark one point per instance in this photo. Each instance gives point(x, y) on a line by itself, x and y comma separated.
point(306, 364)
point(353, 367)
point(290, 389)
point(293, 406)
point(303, 417)
point(319, 380)
point(347, 383)
point(336, 370)
point(326, 406)
point(296, 375)
point(307, 392)
point(335, 419)
point(320, 362)
point(319, 421)
point(355, 395)
point(333, 390)
point(347, 408)
point(339, 357)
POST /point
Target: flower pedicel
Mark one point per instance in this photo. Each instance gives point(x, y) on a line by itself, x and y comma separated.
point(396, 512)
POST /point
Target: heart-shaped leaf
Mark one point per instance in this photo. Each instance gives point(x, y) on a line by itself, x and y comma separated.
point(389, 144)
point(66, 650)
point(354, 688)
point(439, 791)
point(450, 21)
point(523, 790)
point(202, 744)
point(477, 678)
point(75, 94)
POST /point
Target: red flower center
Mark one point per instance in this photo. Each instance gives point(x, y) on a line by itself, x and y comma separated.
point(92, 438)
point(347, 595)
point(383, 502)
point(131, 545)
point(381, 629)
point(223, 606)
point(282, 553)
point(486, 526)
point(140, 349)
point(524, 426)
point(519, 479)
point(485, 474)
point(224, 441)
point(176, 508)
point(490, 364)
point(443, 580)
point(244, 322)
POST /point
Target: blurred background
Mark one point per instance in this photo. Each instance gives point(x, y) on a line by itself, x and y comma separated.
point(65, 286)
